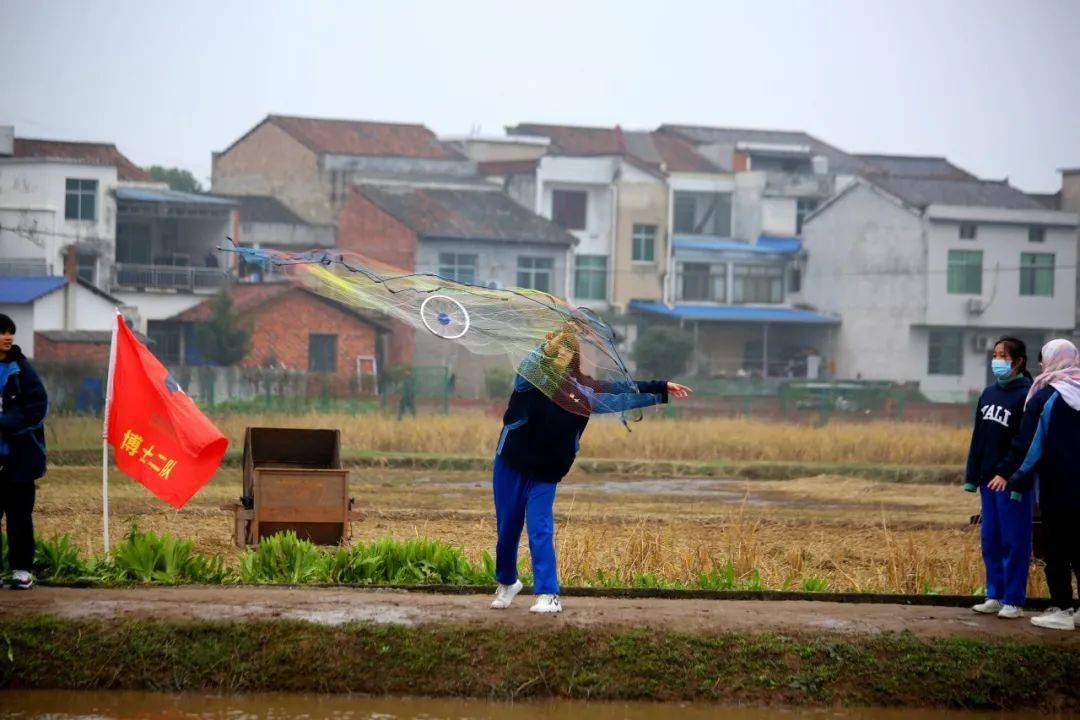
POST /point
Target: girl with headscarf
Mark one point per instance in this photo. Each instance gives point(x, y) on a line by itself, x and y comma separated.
point(1053, 403)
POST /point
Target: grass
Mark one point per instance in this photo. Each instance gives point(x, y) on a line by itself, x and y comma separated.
point(853, 513)
point(657, 438)
point(563, 662)
point(856, 535)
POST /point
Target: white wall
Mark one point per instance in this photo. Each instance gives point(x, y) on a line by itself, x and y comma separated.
point(158, 306)
point(23, 317)
point(778, 216)
point(866, 261)
point(34, 191)
point(1001, 246)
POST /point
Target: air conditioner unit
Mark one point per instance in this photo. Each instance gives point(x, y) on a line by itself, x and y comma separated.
point(981, 343)
point(975, 306)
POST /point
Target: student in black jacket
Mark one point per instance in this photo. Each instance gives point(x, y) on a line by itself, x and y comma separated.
point(1053, 457)
point(1006, 525)
point(536, 448)
point(23, 405)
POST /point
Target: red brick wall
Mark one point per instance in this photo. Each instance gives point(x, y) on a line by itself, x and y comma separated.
point(45, 349)
point(366, 229)
point(281, 328)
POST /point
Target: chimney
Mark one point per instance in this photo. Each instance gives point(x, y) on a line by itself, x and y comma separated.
point(71, 264)
point(71, 274)
point(7, 140)
point(620, 141)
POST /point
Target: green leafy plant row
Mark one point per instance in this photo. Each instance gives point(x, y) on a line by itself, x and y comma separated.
point(146, 557)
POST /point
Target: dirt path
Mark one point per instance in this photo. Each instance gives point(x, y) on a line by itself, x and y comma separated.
point(339, 605)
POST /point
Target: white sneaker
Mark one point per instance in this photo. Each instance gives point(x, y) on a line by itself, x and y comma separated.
point(990, 607)
point(1055, 619)
point(546, 604)
point(21, 580)
point(505, 594)
point(1010, 612)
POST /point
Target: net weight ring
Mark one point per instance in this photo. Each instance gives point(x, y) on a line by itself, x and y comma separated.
point(444, 316)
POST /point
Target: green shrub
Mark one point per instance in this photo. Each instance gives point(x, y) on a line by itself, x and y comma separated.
point(815, 584)
point(498, 381)
point(149, 557)
point(58, 559)
point(420, 561)
point(663, 352)
point(284, 558)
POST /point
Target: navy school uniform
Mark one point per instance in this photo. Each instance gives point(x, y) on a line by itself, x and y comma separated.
point(1053, 458)
point(537, 446)
point(997, 449)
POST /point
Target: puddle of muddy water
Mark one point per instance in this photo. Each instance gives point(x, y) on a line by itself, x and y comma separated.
point(72, 705)
point(731, 491)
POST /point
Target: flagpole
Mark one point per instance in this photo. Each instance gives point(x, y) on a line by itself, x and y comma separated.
point(105, 437)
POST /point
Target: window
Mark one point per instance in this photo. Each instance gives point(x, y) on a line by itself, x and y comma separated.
point(458, 266)
point(965, 272)
point(80, 199)
point(968, 231)
point(703, 282)
point(685, 212)
point(759, 284)
point(87, 263)
point(702, 213)
point(568, 208)
point(165, 336)
point(535, 273)
point(946, 352)
point(590, 277)
point(322, 353)
point(1036, 234)
point(133, 243)
point(795, 279)
point(1037, 274)
point(644, 243)
point(803, 207)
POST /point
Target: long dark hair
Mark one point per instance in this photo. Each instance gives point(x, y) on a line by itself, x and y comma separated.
point(1016, 348)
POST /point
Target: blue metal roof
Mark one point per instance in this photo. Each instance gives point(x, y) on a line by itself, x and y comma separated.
point(765, 244)
point(733, 313)
point(23, 290)
point(155, 195)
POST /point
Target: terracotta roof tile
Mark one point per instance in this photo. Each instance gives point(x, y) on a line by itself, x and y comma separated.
point(361, 137)
point(84, 152)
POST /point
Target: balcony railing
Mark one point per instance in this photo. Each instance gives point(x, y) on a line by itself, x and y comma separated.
point(798, 183)
point(168, 277)
point(23, 267)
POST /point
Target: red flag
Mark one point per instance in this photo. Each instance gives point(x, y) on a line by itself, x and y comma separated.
point(158, 435)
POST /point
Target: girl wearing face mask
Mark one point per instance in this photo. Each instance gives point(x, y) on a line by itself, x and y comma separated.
point(1006, 524)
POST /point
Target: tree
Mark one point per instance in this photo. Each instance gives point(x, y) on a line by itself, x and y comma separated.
point(177, 178)
point(221, 339)
point(663, 351)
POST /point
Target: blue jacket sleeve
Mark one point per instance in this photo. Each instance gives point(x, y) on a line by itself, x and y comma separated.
point(1024, 477)
point(616, 397)
point(971, 472)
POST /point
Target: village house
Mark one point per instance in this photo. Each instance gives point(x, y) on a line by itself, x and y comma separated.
point(946, 263)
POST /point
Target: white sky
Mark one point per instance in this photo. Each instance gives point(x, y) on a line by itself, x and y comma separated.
point(993, 85)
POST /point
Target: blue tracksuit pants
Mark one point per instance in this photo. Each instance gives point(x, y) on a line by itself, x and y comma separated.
point(520, 498)
point(1006, 545)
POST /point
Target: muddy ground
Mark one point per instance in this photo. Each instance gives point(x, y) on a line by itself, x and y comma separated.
point(336, 606)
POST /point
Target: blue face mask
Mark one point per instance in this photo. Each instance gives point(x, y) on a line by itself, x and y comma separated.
point(1000, 368)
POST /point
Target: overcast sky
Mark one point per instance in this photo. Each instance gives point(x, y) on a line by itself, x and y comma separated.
point(993, 85)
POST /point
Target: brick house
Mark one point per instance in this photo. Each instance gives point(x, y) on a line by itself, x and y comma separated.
point(290, 327)
point(309, 163)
